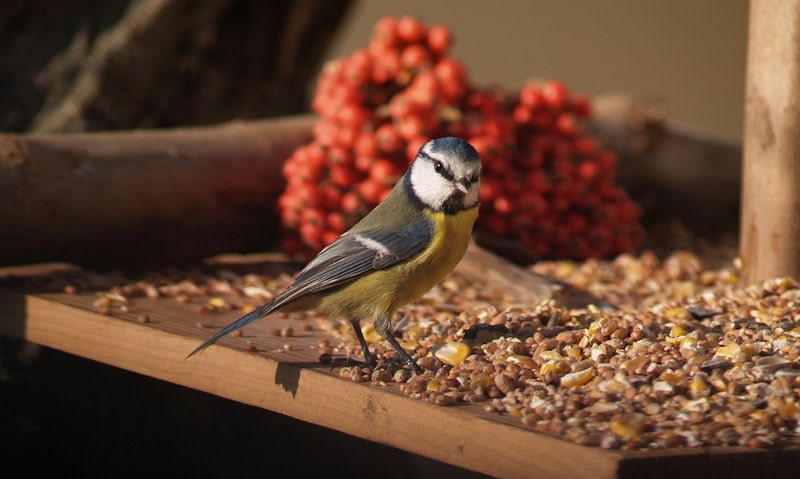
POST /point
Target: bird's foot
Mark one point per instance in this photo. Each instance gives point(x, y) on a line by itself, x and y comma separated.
point(397, 362)
point(369, 363)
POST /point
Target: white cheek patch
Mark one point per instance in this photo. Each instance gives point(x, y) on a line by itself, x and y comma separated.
point(429, 186)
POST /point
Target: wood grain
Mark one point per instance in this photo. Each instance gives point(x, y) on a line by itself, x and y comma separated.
point(144, 196)
point(294, 383)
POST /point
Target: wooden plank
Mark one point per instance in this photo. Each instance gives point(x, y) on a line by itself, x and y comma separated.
point(296, 384)
point(293, 383)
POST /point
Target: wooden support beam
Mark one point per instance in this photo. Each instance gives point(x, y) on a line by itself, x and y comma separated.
point(770, 213)
point(139, 197)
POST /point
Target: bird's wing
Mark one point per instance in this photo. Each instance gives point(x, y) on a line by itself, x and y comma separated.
point(352, 255)
point(357, 253)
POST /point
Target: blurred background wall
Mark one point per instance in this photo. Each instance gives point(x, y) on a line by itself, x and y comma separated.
point(119, 64)
point(690, 53)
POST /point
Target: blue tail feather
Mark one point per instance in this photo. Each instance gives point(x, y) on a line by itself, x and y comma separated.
point(248, 318)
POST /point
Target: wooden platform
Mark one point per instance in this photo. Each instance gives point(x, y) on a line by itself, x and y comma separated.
point(294, 383)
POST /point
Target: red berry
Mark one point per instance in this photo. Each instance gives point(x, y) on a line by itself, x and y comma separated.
point(384, 194)
point(311, 235)
point(386, 67)
point(411, 126)
point(325, 132)
point(530, 96)
point(385, 31)
point(370, 189)
point(423, 89)
point(353, 115)
point(401, 105)
point(586, 145)
point(554, 94)
point(502, 205)
point(339, 156)
point(335, 222)
point(439, 39)
point(452, 77)
point(329, 237)
point(410, 29)
point(387, 139)
point(414, 145)
point(384, 171)
point(587, 171)
point(538, 181)
point(532, 204)
point(522, 114)
point(495, 224)
point(580, 106)
point(365, 146)
point(343, 176)
point(351, 202)
point(330, 196)
point(308, 195)
point(565, 124)
point(577, 223)
point(489, 190)
point(415, 57)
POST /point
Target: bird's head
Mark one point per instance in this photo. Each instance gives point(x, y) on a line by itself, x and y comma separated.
point(445, 175)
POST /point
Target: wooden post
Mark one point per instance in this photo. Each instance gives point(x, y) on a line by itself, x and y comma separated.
point(770, 215)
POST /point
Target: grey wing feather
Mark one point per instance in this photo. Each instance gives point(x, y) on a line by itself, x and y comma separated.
point(351, 256)
point(347, 258)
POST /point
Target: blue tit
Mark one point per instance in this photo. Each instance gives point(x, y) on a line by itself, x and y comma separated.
point(393, 255)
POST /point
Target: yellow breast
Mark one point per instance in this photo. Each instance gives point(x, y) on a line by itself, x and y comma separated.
point(382, 292)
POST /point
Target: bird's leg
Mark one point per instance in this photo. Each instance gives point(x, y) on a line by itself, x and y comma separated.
point(383, 326)
point(369, 359)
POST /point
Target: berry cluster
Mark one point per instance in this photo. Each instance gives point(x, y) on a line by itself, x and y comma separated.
point(545, 183)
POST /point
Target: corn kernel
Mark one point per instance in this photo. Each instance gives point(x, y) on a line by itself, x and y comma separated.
point(551, 354)
point(628, 426)
point(480, 381)
point(789, 410)
point(370, 333)
point(748, 348)
point(671, 377)
point(578, 378)
point(729, 351)
point(416, 332)
point(572, 351)
point(698, 385)
point(634, 363)
point(217, 302)
point(688, 342)
point(612, 386)
point(553, 366)
point(596, 326)
point(452, 353)
point(677, 330)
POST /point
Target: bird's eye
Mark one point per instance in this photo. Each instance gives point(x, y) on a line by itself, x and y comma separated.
point(438, 166)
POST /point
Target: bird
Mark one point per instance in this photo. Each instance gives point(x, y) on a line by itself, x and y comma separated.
point(395, 254)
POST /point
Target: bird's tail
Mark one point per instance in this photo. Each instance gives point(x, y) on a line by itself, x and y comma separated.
point(248, 318)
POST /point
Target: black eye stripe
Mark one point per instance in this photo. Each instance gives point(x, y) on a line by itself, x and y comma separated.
point(444, 170)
